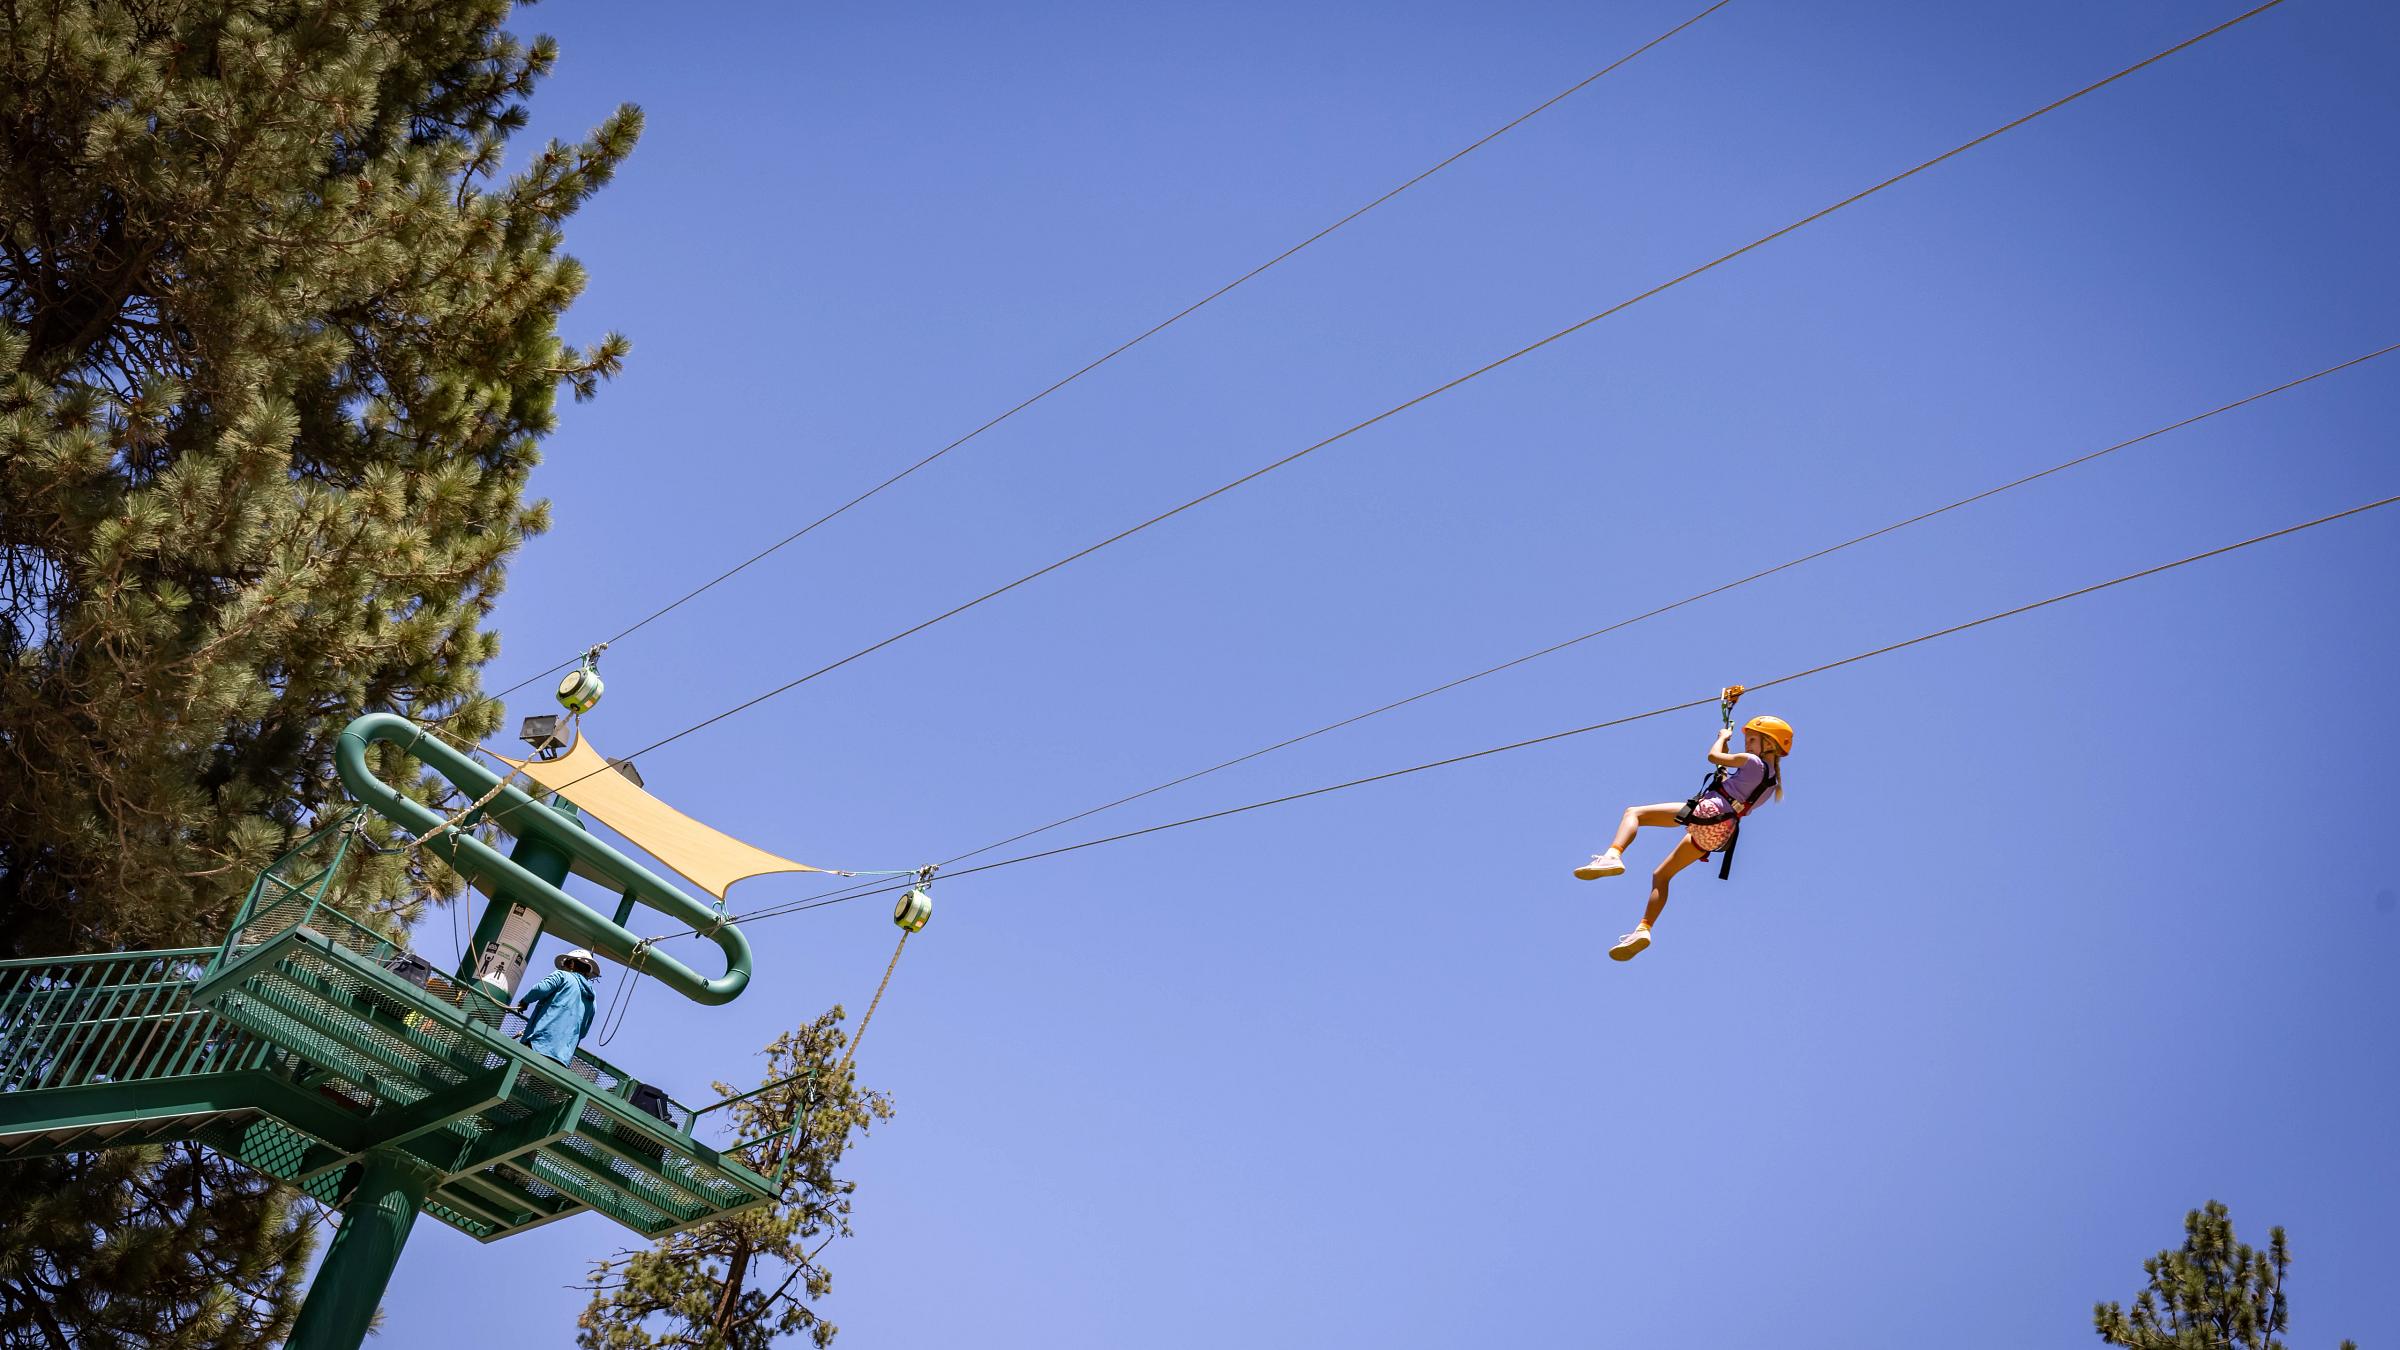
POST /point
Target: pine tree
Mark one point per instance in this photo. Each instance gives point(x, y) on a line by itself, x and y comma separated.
point(745, 1282)
point(2214, 1293)
point(278, 340)
point(162, 1247)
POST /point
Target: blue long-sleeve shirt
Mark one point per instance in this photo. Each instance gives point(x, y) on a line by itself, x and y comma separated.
point(558, 1010)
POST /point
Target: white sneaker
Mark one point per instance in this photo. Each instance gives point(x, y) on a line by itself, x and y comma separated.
point(1631, 945)
point(1601, 865)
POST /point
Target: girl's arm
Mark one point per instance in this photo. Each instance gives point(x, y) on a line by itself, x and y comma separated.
point(1717, 754)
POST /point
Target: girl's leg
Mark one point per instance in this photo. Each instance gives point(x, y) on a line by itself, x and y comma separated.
point(1633, 944)
point(1637, 816)
point(1686, 853)
point(1612, 862)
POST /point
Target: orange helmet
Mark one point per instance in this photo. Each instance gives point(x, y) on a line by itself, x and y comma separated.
point(1774, 729)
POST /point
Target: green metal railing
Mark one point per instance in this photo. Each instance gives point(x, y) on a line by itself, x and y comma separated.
point(289, 895)
point(129, 1017)
point(126, 1024)
point(119, 1018)
point(790, 1135)
point(284, 897)
point(314, 1047)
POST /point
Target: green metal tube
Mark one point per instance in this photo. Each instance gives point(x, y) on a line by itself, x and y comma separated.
point(535, 855)
point(563, 914)
point(358, 1266)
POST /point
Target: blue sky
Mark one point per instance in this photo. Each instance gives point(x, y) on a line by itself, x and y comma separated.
point(2067, 924)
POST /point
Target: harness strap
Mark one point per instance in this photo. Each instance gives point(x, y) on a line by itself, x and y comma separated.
point(1741, 809)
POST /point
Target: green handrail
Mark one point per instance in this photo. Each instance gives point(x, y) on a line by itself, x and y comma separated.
point(789, 1135)
point(166, 954)
point(321, 880)
point(754, 1092)
point(562, 913)
point(115, 1018)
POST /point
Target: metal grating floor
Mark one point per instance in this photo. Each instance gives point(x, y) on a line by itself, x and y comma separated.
point(518, 1139)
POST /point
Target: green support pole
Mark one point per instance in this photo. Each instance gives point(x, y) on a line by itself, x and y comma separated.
point(536, 855)
point(358, 1266)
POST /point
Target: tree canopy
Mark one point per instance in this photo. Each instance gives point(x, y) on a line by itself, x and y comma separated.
point(745, 1282)
point(2212, 1293)
point(278, 342)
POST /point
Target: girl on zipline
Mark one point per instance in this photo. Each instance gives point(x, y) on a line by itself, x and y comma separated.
point(1711, 819)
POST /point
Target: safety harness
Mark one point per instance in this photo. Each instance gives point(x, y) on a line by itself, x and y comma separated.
point(1714, 786)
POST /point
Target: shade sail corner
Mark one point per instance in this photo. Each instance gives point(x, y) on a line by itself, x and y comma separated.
point(706, 856)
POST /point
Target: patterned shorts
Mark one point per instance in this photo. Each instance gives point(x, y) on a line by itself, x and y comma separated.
point(1713, 824)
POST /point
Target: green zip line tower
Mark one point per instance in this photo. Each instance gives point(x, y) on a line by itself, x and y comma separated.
point(325, 1055)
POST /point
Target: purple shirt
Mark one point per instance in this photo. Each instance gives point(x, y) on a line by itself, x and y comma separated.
point(1743, 779)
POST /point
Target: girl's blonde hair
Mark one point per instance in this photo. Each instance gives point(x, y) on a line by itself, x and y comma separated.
point(1774, 758)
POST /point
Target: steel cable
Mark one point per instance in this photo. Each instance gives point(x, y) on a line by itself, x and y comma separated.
point(1129, 344)
point(1711, 700)
point(1694, 598)
point(1820, 214)
point(1455, 382)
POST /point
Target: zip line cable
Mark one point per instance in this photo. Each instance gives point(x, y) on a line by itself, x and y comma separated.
point(1679, 604)
point(778, 911)
point(1451, 384)
point(840, 893)
point(1128, 345)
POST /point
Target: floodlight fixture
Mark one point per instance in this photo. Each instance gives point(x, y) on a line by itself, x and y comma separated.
point(544, 735)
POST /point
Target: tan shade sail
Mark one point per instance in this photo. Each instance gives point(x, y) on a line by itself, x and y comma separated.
point(711, 858)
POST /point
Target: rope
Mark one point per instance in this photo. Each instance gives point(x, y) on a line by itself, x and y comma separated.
point(1124, 347)
point(1713, 698)
point(452, 824)
point(1454, 383)
point(803, 1101)
point(861, 1034)
point(613, 1021)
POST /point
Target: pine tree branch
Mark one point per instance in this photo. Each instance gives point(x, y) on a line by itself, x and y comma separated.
point(40, 1309)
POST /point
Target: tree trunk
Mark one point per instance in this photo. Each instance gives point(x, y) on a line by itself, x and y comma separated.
point(737, 1273)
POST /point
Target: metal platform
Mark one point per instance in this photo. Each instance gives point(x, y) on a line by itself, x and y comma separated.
point(316, 1049)
point(109, 1052)
point(518, 1139)
point(299, 1052)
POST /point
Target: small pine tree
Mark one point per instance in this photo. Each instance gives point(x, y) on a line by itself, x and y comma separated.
point(745, 1282)
point(2214, 1293)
